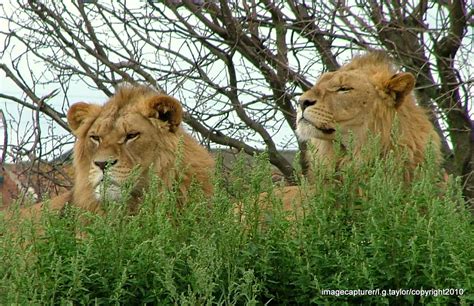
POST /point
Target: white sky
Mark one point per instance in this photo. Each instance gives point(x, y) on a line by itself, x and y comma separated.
point(76, 93)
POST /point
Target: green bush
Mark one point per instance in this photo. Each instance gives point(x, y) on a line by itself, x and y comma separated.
point(364, 229)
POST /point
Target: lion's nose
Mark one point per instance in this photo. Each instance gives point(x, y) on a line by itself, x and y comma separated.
point(105, 164)
point(306, 103)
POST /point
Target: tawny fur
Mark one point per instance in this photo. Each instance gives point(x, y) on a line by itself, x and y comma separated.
point(137, 127)
point(367, 96)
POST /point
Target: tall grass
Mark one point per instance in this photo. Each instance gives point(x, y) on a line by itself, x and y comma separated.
point(363, 229)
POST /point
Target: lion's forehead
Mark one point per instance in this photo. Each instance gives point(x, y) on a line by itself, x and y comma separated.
point(342, 78)
point(106, 125)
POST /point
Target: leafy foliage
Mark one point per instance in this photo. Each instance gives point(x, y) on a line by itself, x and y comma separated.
point(359, 232)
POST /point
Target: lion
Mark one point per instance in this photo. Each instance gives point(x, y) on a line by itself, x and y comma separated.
point(367, 96)
point(137, 131)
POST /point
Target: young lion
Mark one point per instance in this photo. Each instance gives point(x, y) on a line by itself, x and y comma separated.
point(137, 131)
point(366, 96)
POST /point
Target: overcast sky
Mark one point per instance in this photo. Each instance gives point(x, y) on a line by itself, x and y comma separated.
point(77, 92)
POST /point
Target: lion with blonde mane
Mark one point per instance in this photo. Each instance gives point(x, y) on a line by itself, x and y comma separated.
point(136, 132)
point(367, 96)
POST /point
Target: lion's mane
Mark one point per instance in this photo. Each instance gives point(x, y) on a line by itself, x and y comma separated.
point(136, 128)
point(366, 96)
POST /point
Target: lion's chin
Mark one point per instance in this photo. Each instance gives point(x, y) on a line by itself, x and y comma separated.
point(306, 130)
point(109, 192)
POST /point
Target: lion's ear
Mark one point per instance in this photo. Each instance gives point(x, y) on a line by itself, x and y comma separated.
point(79, 112)
point(399, 86)
point(166, 109)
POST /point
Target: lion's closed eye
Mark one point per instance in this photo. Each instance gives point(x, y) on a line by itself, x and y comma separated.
point(344, 89)
point(95, 139)
point(131, 136)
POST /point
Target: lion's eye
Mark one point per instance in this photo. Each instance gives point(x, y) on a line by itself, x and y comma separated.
point(95, 138)
point(344, 89)
point(131, 136)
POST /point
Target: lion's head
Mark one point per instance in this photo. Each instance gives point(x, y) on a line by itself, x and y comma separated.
point(365, 96)
point(137, 130)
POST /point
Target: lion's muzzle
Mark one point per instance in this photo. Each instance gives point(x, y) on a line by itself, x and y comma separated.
point(105, 164)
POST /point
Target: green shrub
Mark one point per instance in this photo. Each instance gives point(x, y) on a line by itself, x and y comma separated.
point(364, 229)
